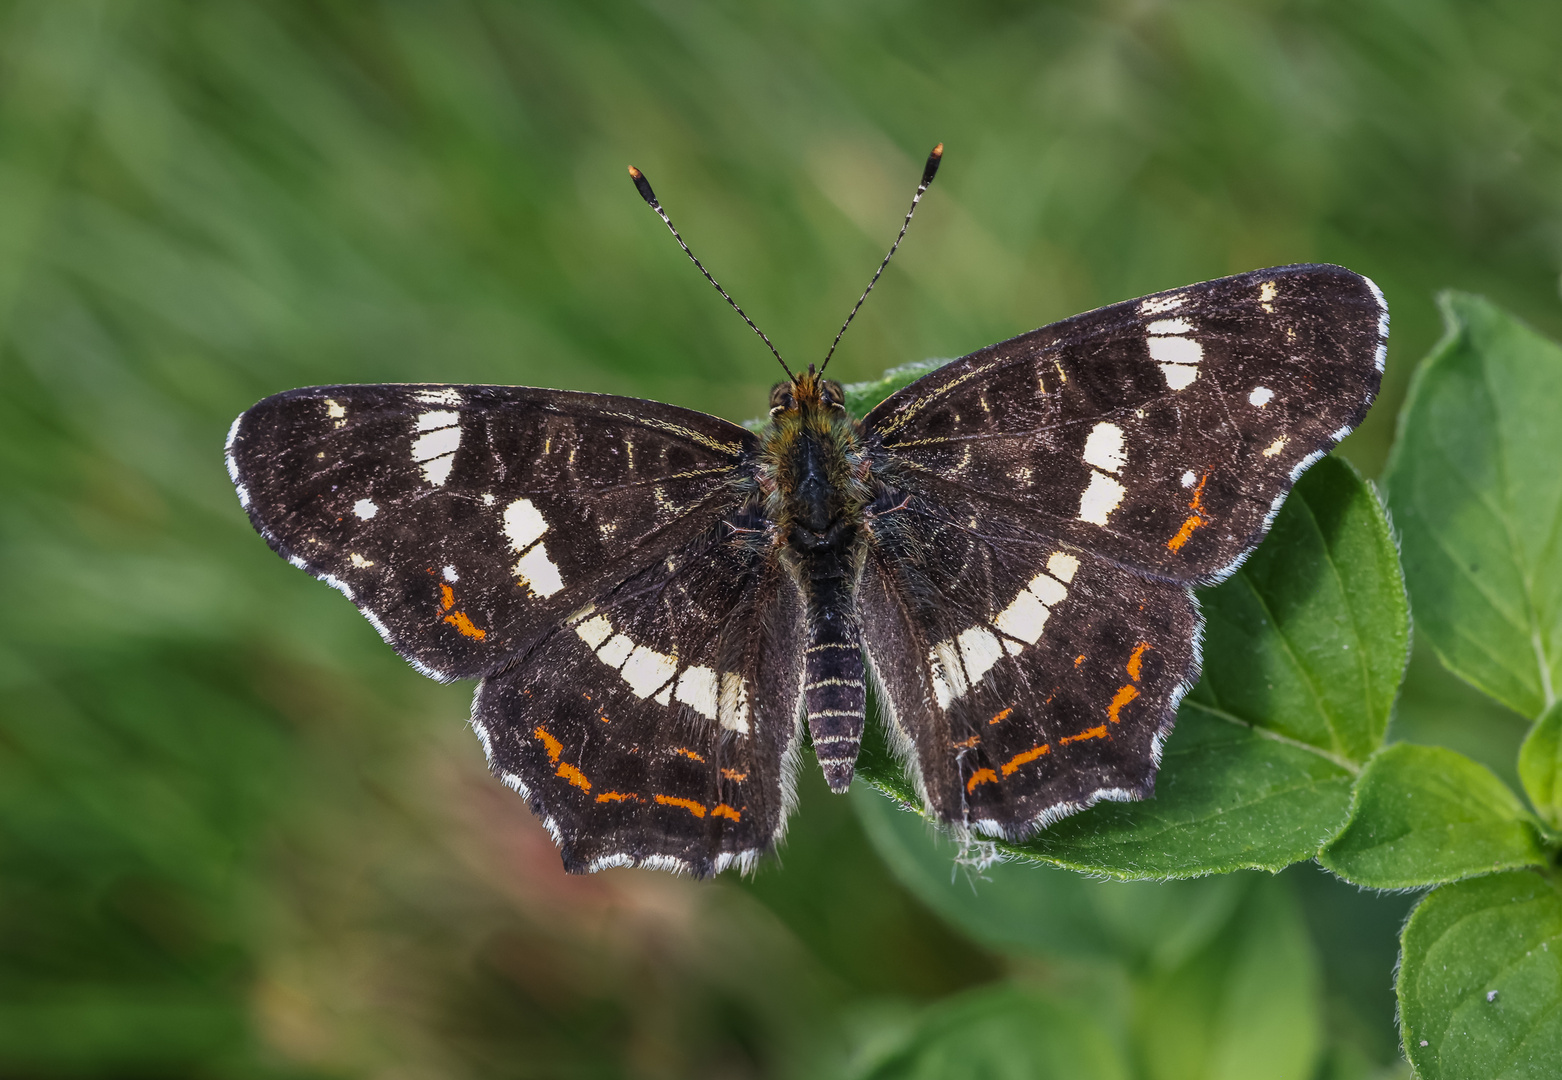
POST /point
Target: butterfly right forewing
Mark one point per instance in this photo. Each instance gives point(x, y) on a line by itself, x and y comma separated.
point(1161, 432)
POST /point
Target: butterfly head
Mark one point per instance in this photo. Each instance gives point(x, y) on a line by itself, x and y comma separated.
point(806, 395)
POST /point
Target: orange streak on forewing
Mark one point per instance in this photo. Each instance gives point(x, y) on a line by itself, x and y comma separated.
point(686, 752)
point(574, 776)
point(723, 810)
point(1124, 695)
point(697, 809)
point(1135, 668)
point(1176, 542)
point(1012, 765)
point(616, 796)
point(459, 620)
point(549, 743)
point(1001, 716)
point(449, 600)
point(981, 776)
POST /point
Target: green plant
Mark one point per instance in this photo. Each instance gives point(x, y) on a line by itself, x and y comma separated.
point(1279, 756)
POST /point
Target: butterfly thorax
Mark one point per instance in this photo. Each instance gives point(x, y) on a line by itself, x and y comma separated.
point(813, 475)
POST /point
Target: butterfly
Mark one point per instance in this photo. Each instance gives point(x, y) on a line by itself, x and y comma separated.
point(661, 605)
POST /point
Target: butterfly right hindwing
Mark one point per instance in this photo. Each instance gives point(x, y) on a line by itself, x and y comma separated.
point(1024, 679)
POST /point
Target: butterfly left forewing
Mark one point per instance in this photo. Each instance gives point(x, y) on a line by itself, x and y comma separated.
point(1025, 678)
point(657, 727)
point(464, 521)
point(1161, 432)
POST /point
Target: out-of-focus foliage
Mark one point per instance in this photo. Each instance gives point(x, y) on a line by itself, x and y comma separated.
point(239, 837)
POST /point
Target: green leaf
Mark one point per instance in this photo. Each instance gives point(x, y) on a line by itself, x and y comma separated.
point(1304, 649)
point(1540, 766)
point(1476, 493)
point(862, 396)
point(1480, 980)
point(1004, 1032)
point(1246, 1008)
point(1020, 905)
point(1422, 815)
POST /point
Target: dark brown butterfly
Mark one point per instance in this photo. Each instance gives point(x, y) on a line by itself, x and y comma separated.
point(656, 600)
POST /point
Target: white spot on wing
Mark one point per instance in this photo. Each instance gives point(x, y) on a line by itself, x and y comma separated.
point(1260, 396)
point(360, 562)
point(1272, 449)
point(444, 395)
point(451, 575)
point(1175, 350)
point(436, 444)
point(1170, 326)
point(1266, 293)
point(365, 509)
point(334, 410)
point(616, 651)
point(980, 651)
point(1156, 304)
point(697, 689)
point(732, 709)
point(431, 421)
point(1104, 447)
point(1188, 478)
point(537, 572)
point(1062, 566)
point(595, 631)
point(1024, 619)
point(523, 524)
point(1048, 590)
point(488, 500)
point(1100, 498)
point(1179, 376)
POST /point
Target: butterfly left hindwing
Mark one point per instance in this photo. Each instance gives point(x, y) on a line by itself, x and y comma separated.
point(658, 726)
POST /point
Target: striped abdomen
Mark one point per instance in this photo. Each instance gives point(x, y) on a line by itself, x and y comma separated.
point(833, 689)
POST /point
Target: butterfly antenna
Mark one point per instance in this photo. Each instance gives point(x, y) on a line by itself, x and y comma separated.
point(643, 186)
point(929, 171)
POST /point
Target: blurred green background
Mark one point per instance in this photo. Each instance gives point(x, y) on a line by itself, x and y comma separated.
point(239, 837)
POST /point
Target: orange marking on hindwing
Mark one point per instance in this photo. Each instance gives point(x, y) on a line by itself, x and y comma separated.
point(617, 796)
point(723, 810)
point(690, 754)
point(449, 594)
point(1194, 520)
point(981, 776)
point(1012, 766)
point(697, 809)
point(550, 744)
point(573, 775)
point(1080, 659)
point(1001, 716)
point(459, 620)
point(1124, 695)
point(966, 744)
point(1135, 668)
point(1084, 736)
point(734, 775)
